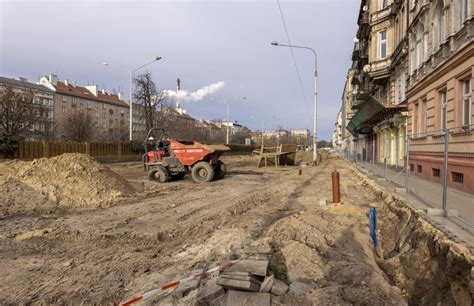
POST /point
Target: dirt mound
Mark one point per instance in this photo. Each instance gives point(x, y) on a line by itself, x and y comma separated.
point(72, 180)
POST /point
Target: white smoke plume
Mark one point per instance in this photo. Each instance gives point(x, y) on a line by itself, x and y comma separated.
point(198, 95)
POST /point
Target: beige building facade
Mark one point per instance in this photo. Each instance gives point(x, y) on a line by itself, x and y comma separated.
point(43, 102)
point(109, 112)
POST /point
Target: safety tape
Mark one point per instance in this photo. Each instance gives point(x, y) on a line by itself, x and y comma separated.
point(158, 291)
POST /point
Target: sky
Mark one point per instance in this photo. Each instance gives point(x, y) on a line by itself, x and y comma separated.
point(200, 42)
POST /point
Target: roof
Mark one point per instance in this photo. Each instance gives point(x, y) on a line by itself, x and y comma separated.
point(17, 83)
point(82, 92)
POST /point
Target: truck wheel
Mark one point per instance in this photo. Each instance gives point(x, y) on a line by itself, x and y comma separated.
point(202, 172)
point(220, 171)
point(158, 174)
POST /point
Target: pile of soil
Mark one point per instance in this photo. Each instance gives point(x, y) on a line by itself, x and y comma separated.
point(72, 180)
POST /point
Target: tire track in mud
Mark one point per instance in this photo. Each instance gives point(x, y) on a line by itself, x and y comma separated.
point(292, 204)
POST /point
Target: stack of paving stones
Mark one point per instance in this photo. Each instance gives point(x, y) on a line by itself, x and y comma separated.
point(244, 283)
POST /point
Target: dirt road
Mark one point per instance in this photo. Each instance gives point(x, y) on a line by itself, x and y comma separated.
point(107, 255)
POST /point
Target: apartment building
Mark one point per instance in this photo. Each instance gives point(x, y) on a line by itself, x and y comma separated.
point(43, 102)
point(440, 89)
point(301, 136)
point(377, 116)
point(109, 112)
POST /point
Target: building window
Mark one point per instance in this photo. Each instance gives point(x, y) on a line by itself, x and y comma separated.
point(457, 177)
point(464, 10)
point(64, 98)
point(412, 167)
point(444, 106)
point(96, 104)
point(419, 168)
point(89, 104)
point(436, 172)
point(466, 102)
point(383, 44)
point(424, 128)
point(415, 119)
point(383, 4)
point(439, 23)
point(103, 115)
point(104, 125)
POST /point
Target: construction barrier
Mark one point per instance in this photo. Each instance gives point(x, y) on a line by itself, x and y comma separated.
point(156, 292)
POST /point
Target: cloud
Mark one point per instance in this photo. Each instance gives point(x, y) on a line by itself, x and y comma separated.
point(198, 95)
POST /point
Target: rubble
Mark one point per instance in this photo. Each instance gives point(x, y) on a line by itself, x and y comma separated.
point(254, 266)
point(298, 287)
point(279, 287)
point(267, 284)
point(239, 298)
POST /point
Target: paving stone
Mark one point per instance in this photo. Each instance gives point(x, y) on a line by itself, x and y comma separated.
point(189, 285)
point(246, 285)
point(301, 287)
point(256, 267)
point(267, 283)
point(400, 190)
point(240, 298)
point(279, 287)
point(210, 293)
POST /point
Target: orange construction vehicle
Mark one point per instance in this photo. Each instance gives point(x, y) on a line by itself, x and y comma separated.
point(165, 160)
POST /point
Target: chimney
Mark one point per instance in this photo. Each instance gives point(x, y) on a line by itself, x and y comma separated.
point(92, 89)
point(119, 95)
point(178, 88)
point(73, 84)
point(66, 82)
point(22, 79)
point(53, 79)
point(103, 91)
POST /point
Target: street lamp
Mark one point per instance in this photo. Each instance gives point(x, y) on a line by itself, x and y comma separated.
point(131, 72)
point(227, 104)
point(315, 138)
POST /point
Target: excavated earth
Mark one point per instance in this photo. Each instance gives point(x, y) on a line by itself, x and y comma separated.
point(110, 235)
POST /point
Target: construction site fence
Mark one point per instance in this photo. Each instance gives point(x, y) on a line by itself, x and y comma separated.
point(437, 167)
point(102, 151)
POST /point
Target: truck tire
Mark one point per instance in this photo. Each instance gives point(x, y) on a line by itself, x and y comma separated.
point(158, 174)
point(202, 172)
point(220, 171)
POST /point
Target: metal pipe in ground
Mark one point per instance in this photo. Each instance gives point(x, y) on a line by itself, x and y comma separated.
point(336, 191)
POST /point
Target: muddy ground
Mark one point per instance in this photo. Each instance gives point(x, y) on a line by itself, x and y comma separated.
point(110, 254)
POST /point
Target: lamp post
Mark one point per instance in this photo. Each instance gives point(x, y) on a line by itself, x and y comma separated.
point(131, 72)
point(315, 137)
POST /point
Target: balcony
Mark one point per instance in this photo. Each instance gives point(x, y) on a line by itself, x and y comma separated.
point(381, 15)
point(380, 69)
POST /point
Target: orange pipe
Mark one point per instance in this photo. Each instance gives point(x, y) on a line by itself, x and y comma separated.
point(336, 191)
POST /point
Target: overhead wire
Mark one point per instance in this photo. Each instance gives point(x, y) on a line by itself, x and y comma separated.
point(294, 62)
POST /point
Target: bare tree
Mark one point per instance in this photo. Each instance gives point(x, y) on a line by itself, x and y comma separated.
point(152, 105)
point(17, 111)
point(78, 126)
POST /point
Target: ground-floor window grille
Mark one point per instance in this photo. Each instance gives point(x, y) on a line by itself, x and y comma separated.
point(436, 172)
point(457, 177)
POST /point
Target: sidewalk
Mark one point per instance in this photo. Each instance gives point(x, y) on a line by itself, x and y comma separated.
point(424, 194)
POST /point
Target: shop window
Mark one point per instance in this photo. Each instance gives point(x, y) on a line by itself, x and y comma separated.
point(457, 177)
point(419, 168)
point(436, 172)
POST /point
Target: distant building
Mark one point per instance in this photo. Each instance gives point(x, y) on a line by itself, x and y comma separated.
point(300, 135)
point(109, 112)
point(43, 127)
